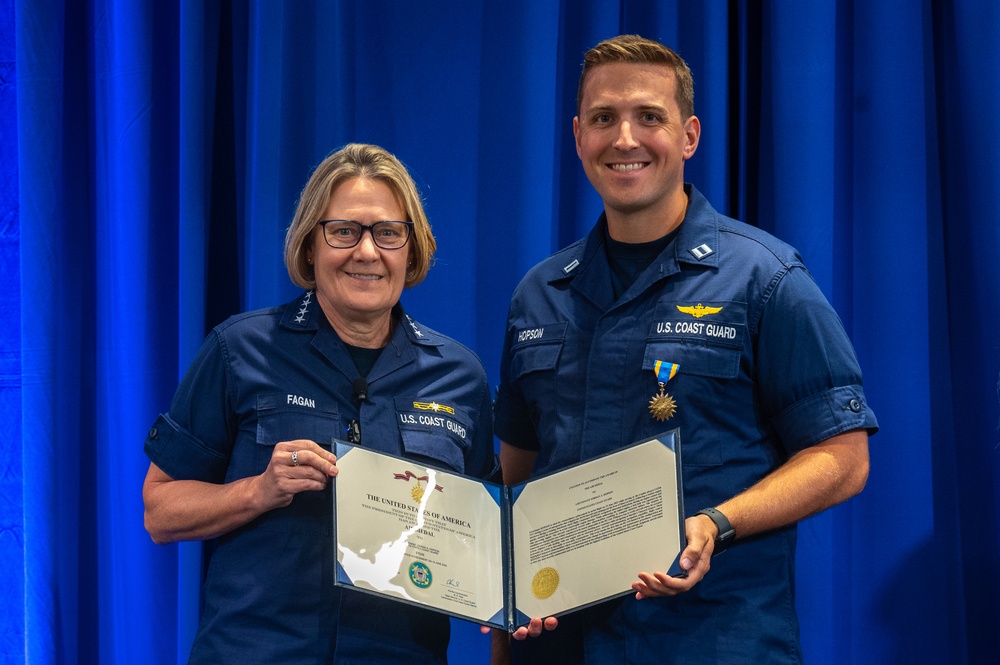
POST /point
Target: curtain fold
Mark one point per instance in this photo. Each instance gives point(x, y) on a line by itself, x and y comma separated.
point(151, 159)
point(964, 319)
point(11, 470)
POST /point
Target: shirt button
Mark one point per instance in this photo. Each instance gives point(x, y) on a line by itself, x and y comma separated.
point(153, 433)
point(854, 405)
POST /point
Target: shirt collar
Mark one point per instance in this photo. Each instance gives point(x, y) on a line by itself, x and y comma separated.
point(585, 262)
point(302, 313)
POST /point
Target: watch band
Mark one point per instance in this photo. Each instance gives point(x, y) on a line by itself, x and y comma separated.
point(727, 534)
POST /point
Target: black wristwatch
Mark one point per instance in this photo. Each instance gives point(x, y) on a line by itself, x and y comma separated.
point(727, 534)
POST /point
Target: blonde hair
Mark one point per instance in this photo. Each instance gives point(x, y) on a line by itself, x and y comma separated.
point(638, 50)
point(357, 160)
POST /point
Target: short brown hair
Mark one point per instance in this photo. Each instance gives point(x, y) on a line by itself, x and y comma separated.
point(357, 160)
point(638, 50)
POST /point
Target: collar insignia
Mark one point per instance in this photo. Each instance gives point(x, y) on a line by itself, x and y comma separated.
point(416, 330)
point(303, 312)
point(701, 251)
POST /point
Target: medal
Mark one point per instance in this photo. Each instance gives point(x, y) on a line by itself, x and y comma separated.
point(662, 406)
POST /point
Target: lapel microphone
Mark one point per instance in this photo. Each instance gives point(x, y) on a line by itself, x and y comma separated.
point(359, 390)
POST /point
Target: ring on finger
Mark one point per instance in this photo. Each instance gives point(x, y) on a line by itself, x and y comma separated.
point(295, 458)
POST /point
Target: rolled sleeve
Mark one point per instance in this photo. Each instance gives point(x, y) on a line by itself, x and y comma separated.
point(194, 440)
point(819, 417)
point(809, 378)
point(182, 456)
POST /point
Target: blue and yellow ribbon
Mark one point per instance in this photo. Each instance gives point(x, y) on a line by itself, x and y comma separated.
point(664, 370)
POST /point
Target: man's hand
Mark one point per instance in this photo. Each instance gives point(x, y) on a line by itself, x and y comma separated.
point(535, 628)
point(695, 560)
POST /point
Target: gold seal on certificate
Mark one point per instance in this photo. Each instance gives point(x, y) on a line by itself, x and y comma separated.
point(545, 583)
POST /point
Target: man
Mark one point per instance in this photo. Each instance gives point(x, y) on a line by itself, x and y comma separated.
point(767, 394)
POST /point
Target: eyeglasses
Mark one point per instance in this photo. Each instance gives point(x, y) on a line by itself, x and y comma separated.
point(344, 234)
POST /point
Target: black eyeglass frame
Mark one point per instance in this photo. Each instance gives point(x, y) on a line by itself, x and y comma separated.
point(366, 227)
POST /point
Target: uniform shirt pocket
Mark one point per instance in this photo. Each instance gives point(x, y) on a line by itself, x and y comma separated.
point(705, 339)
point(694, 359)
point(288, 417)
point(437, 431)
point(536, 349)
point(694, 386)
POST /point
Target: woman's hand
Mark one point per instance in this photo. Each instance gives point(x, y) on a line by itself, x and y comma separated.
point(295, 466)
point(195, 510)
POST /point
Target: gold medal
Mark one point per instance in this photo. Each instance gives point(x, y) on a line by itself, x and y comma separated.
point(662, 406)
point(544, 583)
point(417, 493)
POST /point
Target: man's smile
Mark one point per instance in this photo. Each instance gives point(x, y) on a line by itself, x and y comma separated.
point(624, 168)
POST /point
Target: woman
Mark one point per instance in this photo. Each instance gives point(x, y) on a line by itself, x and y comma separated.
point(242, 458)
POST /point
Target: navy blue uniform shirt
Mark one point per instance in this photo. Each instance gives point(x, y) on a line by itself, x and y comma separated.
point(281, 374)
point(765, 370)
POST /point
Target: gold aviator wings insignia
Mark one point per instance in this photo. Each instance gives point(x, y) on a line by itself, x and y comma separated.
point(699, 310)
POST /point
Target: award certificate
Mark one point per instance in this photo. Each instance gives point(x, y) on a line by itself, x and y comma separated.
point(418, 534)
point(500, 555)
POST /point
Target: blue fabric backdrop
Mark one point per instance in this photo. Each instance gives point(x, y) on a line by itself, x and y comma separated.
point(150, 161)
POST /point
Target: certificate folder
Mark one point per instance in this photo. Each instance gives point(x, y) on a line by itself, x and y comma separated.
point(499, 555)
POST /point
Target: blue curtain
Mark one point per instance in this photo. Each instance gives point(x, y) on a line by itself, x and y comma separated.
point(150, 161)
